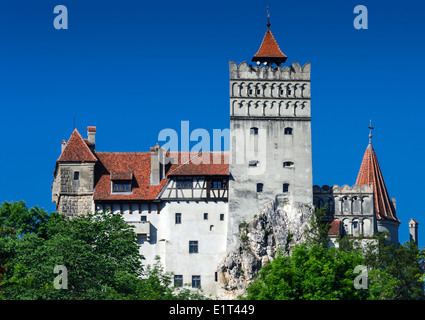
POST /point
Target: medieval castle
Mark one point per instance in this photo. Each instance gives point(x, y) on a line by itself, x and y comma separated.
point(188, 212)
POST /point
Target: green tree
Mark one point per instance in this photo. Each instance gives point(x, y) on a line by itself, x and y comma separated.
point(310, 273)
point(395, 273)
point(99, 250)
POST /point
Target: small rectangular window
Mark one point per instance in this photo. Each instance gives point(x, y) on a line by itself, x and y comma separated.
point(221, 216)
point(143, 218)
point(205, 216)
point(285, 187)
point(184, 183)
point(259, 187)
point(217, 184)
point(76, 175)
point(253, 163)
point(196, 281)
point(178, 280)
point(121, 186)
point(193, 246)
point(178, 218)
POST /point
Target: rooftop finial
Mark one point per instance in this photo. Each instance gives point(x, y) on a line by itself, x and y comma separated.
point(370, 132)
point(268, 17)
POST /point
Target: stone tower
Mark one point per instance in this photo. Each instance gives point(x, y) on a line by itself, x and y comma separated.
point(73, 182)
point(270, 132)
point(413, 230)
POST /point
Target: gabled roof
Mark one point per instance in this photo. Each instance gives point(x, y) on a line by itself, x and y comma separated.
point(269, 50)
point(76, 150)
point(121, 165)
point(370, 173)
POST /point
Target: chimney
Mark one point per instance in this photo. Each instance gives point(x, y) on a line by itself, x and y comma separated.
point(63, 145)
point(91, 134)
point(413, 230)
point(155, 165)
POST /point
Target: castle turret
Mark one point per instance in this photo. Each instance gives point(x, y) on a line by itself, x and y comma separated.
point(73, 184)
point(370, 173)
point(413, 230)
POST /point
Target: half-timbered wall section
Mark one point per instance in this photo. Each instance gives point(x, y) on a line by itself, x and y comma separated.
point(196, 188)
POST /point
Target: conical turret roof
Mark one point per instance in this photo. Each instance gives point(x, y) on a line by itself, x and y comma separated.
point(269, 50)
point(370, 173)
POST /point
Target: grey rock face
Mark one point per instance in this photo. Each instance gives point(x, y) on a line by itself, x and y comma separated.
point(274, 229)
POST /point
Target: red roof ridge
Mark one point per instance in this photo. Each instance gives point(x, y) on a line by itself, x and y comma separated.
point(123, 152)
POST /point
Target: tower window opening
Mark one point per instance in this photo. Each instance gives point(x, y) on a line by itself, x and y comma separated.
point(254, 130)
point(259, 187)
point(285, 187)
point(178, 218)
point(254, 163)
point(288, 164)
point(288, 131)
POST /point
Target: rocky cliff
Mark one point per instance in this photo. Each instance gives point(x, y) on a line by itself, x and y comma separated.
point(276, 228)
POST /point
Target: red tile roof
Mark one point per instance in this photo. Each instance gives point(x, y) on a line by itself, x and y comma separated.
point(120, 164)
point(121, 175)
point(137, 162)
point(369, 173)
point(269, 49)
point(195, 164)
point(334, 228)
point(76, 150)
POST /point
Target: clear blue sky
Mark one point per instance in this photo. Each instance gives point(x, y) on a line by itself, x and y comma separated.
point(133, 68)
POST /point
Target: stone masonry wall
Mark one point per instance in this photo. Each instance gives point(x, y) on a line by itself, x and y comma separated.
point(75, 205)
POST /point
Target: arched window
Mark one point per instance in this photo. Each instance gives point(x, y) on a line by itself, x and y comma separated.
point(254, 130)
point(288, 130)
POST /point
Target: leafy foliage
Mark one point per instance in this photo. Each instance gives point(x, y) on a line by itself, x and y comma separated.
point(99, 251)
point(316, 271)
point(310, 273)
